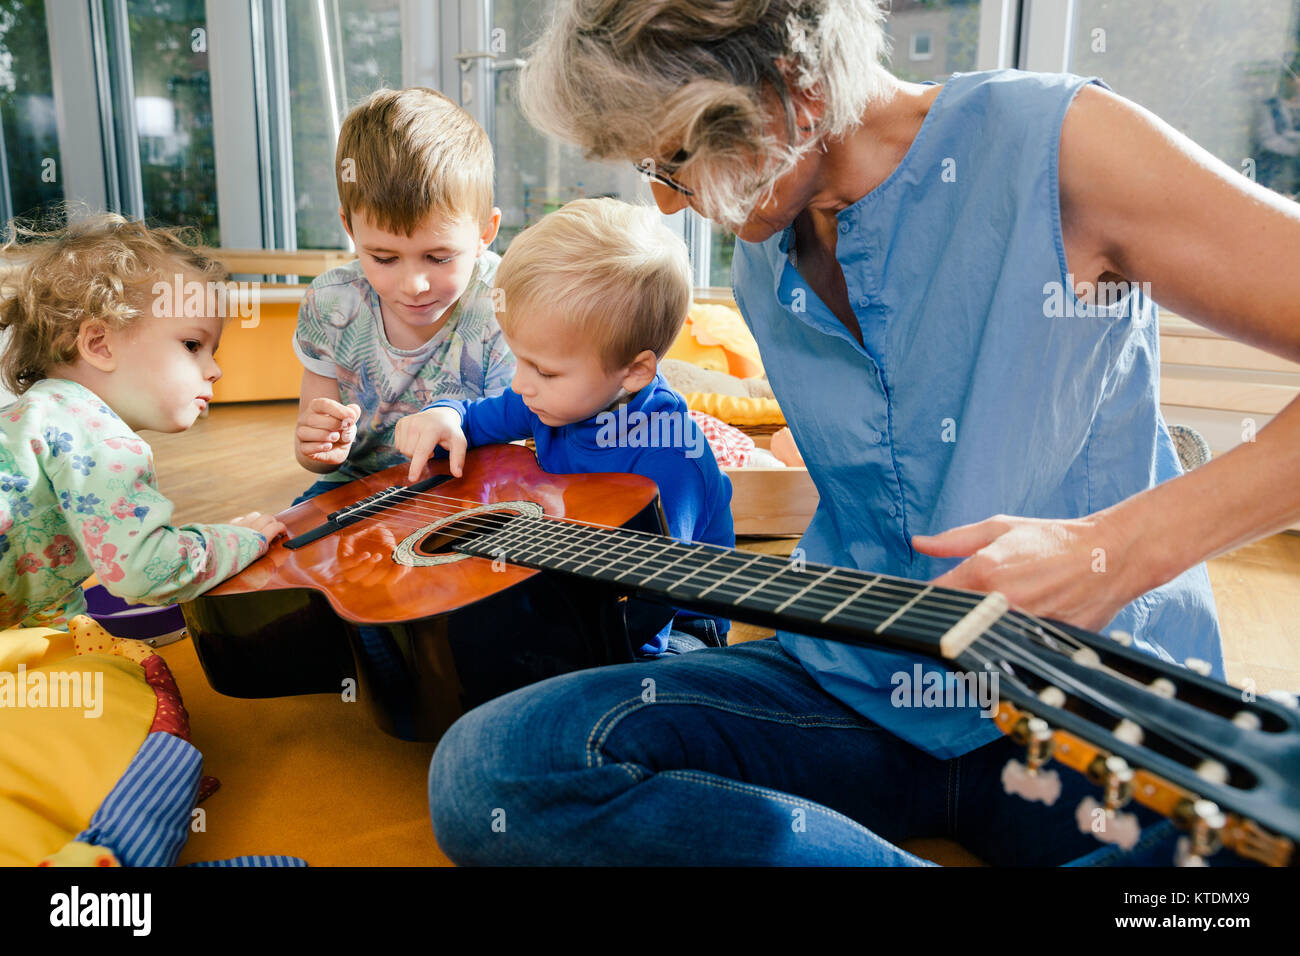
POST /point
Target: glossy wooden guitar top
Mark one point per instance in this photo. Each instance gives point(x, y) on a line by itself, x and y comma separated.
point(355, 568)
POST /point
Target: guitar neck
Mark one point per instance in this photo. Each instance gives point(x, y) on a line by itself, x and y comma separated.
point(843, 604)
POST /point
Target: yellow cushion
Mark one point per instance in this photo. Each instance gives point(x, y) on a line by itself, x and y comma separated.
point(721, 326)
point(715, 337)
point(735, 410)
point(58, 763)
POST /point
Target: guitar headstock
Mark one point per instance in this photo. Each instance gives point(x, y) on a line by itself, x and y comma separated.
point(1221, 763)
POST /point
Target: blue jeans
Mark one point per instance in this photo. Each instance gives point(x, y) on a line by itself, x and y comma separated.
point(732, 756)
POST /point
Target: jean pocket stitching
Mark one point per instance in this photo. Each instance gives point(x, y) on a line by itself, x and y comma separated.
point(611, 718)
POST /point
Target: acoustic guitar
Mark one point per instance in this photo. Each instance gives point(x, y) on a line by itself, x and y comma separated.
point(436, 596)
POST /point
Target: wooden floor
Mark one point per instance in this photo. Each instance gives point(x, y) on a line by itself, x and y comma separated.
point(240, 459)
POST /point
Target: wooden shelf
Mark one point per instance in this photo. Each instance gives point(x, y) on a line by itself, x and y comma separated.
point(304, 262)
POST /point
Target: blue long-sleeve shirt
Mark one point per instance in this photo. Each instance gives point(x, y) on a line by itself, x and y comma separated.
point(694, 493)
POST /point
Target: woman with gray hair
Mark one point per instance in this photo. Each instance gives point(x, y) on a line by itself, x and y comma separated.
point(969, 411)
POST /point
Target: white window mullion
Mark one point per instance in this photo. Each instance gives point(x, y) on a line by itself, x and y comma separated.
point(239, 186)
point(83, 166)
point(997, 43)
point(1046, 34)
point(111, 36)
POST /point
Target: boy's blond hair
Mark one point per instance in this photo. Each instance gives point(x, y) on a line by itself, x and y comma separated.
point(406, 154)
point(609, 270)
point(103, 267)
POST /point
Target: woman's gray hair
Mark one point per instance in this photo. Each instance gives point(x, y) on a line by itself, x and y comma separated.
point(689, 85)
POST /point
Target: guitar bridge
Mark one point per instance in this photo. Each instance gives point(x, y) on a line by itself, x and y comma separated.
point(367, 507)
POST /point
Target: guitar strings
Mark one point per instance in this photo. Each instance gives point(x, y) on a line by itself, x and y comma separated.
point(965, 599)
point(902, 586)
point(968, 599)
point(1034, 634)
point(874, 601)
point(1172, 732)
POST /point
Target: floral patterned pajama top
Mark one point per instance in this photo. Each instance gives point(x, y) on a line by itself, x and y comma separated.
point(77, 495)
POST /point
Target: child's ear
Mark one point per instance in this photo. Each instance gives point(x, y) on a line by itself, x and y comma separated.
point(641, 371)
point(490, 233)
point(343, 218)
point(96, 345)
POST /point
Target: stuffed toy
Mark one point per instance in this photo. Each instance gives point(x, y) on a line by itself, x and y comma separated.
point(96, 765)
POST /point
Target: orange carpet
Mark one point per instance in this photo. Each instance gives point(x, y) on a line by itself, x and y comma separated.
point(311, 777)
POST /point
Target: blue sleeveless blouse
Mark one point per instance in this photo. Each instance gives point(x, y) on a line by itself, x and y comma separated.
point(983, 386)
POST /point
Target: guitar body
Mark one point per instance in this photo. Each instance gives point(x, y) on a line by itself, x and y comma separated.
point(427, 633)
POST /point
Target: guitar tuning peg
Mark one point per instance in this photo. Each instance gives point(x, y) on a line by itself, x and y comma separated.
point(1086, 656)
point(1108, 826)
point(1036, 736)
point(1052, 696)
point(1284, 698)
point(1129, 732)
point(1247, 720)
point(1104, 820)
point(1198, 666)
point(1163, 687)
point(1042, 786)
point(1029, 780)
point(1204, 822)
point(1212, 771)
point(1115, 777)
point(1183, 855)
point(1123, 638)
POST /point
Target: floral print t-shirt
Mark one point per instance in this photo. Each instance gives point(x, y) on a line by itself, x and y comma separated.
point(341, 335)
point(77, 495)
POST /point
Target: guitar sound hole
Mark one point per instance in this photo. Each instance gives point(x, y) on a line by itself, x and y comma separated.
point(463, 529)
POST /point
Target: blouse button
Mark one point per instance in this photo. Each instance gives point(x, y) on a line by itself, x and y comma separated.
point(877, 437)
point(893, 511)
point(844, 228)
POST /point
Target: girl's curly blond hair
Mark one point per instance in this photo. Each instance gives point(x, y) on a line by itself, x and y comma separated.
point(100, 267)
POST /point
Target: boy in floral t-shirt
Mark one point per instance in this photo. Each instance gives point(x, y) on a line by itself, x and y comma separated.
point(92, 360)
point(413, 319)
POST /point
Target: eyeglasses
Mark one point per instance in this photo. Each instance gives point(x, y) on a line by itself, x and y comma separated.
point(647, 168)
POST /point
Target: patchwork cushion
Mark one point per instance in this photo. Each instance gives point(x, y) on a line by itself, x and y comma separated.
point(96, 767)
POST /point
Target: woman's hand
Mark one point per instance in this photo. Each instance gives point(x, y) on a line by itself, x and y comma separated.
point(416, 437)
point(1079, 571)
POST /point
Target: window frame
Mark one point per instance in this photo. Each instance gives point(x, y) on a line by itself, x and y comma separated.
point(99, 145)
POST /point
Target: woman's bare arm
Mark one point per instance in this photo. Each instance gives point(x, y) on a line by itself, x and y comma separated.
point(1141, 200)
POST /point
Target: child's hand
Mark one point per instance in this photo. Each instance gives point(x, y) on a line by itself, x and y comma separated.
point(265, 525)
point(418, 435)
point(326, 430)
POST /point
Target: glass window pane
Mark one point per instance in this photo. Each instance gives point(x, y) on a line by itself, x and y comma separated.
point(720, 251)
point(537, 174)
point(31, 137)
point(932, 39)
point(1222, 73)
point(173, 113)
point(333, 64)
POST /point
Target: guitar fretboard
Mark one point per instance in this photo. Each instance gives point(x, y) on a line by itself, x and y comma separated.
point(759, 588)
